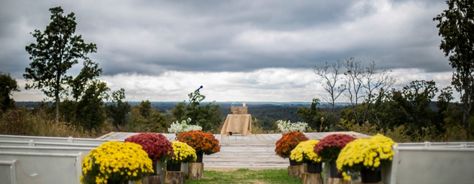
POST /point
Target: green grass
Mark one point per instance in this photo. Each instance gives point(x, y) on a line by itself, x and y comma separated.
point(246, 176)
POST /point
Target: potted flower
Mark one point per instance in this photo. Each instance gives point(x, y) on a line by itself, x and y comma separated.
point(287, 126)
point(365, 155)
point(183, 126)
point(156, 146)
point(107, 163)
point(304, 152)
point(202, 142)
point(329, 148)
point(182, 152)
point(287, 142)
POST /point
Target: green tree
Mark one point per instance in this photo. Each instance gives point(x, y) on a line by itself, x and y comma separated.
point(312, 116)
point(414, 101)
point(90, 109)
point(207, 116)
point(118, 109)
point(145, 118)
point(89, 72)
point(456, 27)
point(145, 108)
point(7, 86)
point(54, 52)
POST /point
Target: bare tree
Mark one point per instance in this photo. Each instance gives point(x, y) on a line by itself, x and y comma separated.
point(332, 82)
point(354, 74)
point(374, 80)
point(374, 83)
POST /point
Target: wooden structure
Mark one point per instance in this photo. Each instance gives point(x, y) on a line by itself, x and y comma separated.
point(238, 122)
point(195, 170)
point(174, 177)
point(312, 178)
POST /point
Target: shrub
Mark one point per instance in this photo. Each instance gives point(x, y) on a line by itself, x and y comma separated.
point(287, 142)
point(304, 152)
point(330, 146)
point(155, 145)
point(116, 162)
point(200, 141)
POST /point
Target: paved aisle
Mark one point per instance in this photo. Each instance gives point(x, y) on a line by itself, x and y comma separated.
point(253, 151)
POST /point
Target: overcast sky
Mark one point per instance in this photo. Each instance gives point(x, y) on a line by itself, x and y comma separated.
point(239, 50)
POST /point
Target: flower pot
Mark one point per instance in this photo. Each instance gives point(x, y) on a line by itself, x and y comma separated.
point(199, 155)
point(173, 166)
point(369, 175)
point(333, 172)
point(314, 167)
point(294, 162)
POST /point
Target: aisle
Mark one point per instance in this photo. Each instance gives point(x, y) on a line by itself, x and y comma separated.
point(254, 151)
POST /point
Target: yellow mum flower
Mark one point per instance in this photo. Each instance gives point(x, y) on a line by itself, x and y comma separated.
point(182, 152)
point(364, 152)
point(304, 151)
point(105, 163)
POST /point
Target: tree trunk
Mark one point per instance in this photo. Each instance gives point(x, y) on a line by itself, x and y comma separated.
point(56, 96)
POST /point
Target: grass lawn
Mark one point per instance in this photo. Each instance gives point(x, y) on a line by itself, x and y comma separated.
point(246, 176)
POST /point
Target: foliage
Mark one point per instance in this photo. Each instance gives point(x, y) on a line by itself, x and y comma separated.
point(313, 116)
point(155, 145)
point(7, 86)
point(55, 51)
point(143, 118)
point(90, 111)
point(364, 152)
point(207, 116)
point(183, 126)
point(200, 141)
point(288, 142)
point(182, 152)
point(118, 110)
point(20, 121)
point(287, 126)
point(246, 176)
point(330, 146)
point(456, 27)
point(304, 152)
point(107, 163)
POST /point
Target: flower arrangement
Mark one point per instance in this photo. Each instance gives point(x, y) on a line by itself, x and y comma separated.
point(156, 145)
point(183, 126)
point(115, 162)
point(287, 126)
point(287, 142)
point(200, 141)
point(365, 152)
point(304, 152)
point(330, 146)
point(182, 152)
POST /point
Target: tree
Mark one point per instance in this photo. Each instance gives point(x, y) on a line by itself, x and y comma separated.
point(118, 109)
point(90, 109)
point(145, 108)
point(375, 80)
point(456, 27)
point(415, 100)
point(78, 84)
point(54, 52)
point(354, 74)
point(330, 73)
point(7, 86)
point(207, 116)
point(312, 116)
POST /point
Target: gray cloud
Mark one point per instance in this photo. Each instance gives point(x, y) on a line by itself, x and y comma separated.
point(152, 37)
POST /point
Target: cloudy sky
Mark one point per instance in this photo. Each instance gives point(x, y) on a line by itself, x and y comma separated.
point(239, 50)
